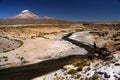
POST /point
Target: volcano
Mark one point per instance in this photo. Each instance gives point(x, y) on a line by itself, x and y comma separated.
point(25, 14)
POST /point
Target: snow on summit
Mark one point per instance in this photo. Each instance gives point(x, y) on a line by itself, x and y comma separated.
point(26, 14)
point(25, 11)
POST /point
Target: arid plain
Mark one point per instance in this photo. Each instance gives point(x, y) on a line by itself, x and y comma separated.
point(59, 50)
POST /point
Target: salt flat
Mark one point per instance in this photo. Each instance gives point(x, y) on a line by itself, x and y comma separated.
point(39, 49)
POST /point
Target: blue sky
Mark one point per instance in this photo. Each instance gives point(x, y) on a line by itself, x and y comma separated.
point(74, 10)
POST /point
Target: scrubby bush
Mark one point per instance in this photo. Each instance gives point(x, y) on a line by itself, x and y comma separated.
point(95, 76)
point(78, 76)
point(80, 68)
point(82, 79)
point(79, 62)
point(72, 71)
point(117, 64)
point(5, 58)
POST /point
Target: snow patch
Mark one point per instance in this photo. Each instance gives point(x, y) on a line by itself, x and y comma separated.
point(24, 11)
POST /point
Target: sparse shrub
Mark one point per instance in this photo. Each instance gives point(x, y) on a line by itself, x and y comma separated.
point(87, 79)
point(72, 71)
point(55, 74)
point(76, 64)
point(95, 76)
point(114, 36)
point(13, 49)
point(4, 48)
point(87, 69)
point(6, 51)
point(78, 76)
point(6, 59)
point(79, 62)
point(80, 68)
point(113, 61)
point(78, 30)
point(117, 64)
point(20, 43)
point(82, 79)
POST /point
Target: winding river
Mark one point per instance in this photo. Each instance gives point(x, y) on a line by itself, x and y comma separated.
point(35, 70)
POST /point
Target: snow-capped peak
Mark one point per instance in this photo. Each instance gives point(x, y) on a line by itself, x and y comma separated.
point(26, 14)
point(24, 11)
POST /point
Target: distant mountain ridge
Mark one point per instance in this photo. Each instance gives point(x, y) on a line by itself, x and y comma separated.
point(28, 17)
